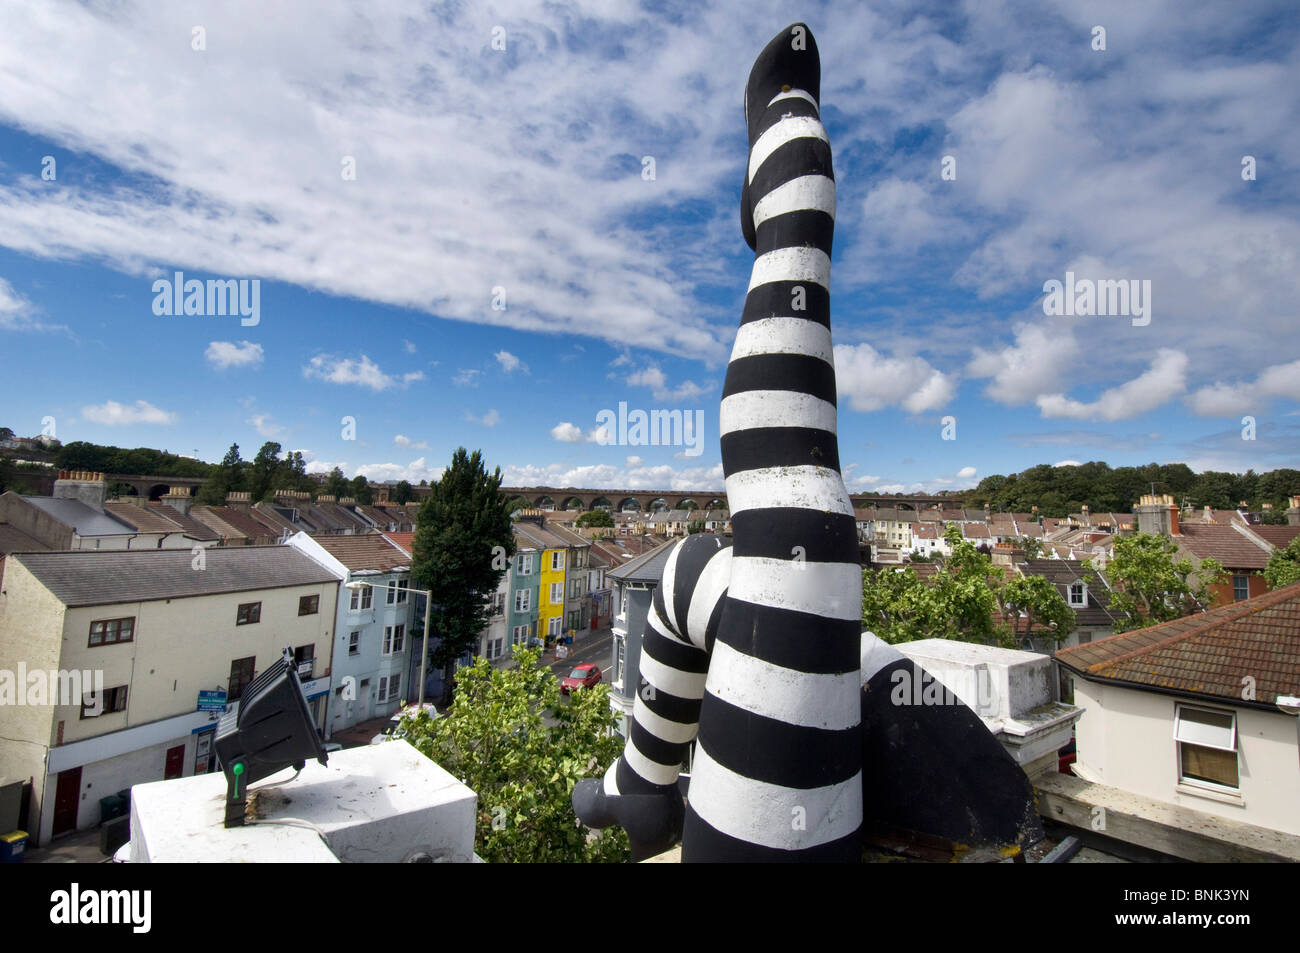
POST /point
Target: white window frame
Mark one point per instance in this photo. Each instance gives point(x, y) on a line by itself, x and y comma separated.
point(354, 642)
point(523, 597)
point(524, 564)
point(557, 560)
point(557, 597)
point(394, 639)
point(1201, 735)
point(1082, 600)
point(553, 625)
point(392, 685)
point(1245, 584)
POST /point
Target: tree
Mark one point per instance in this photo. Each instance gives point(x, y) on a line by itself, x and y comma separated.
point(336, 484)
point(264, 469)
point(402, 493)
point(226, 477)
point(463, 542)
point(595, 518)
point(1284, 566)
point(1031, 546)
point(694, 526)
point(1038, 602)
point(359, 490)
point(1149, 586)
point(522, 749)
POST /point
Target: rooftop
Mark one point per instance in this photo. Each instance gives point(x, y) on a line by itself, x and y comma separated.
point(1210, 653)
point(104, 577)
point(372, 552)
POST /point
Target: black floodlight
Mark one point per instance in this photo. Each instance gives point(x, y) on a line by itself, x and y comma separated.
point(272, 730)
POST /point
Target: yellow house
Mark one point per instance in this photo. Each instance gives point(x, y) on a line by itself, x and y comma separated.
point(114, 665)
point(555, 559)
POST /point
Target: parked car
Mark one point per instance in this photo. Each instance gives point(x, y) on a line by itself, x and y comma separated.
point(584, 676)
point(394, 727)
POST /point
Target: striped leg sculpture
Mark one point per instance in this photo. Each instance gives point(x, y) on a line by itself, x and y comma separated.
point(760, 645)
point(777, 772)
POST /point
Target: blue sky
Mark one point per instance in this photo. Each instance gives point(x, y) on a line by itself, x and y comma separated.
point(524, 169)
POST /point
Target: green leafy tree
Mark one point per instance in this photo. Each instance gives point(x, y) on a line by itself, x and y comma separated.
point(359, 490)
point(1149, 585)
point(1283, 566)
point(521, 748)
point(694, 526)
point(1031, 545)
point(463, 542)
point(336, 484)
point(264, 469)
point(226, 477)
point(596, 517)
point(1039, 612)
point(403, 493)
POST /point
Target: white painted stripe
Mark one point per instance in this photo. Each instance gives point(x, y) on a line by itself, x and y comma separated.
point(670, 680)
point(611, 780)
point(660, 727)
point(792, 264)
point(652, 771)
point(804, 487)
point(709, 588)
point(808, 192)
point(775, 408)
point(783, 336)
point(773, 691)
point(765, 814)
point(830, 590)
point(876, 654)
point(787, 130)
point(668, 585)
point(793, 94)
point(659, 625)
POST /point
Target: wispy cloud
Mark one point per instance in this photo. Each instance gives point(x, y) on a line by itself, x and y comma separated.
point(113, 414)
point(363, 372)
point(224, 354)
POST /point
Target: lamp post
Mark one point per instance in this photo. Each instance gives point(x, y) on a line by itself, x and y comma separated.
point(424, 638)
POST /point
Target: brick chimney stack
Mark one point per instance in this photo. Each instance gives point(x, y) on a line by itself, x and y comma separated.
point(88, 486)
point(242, 499)
point(1157, 515)
point(179, 499)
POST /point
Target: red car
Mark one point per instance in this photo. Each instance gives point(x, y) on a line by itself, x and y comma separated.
point(584, 676)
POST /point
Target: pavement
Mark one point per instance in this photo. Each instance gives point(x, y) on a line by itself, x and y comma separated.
point(79, 848)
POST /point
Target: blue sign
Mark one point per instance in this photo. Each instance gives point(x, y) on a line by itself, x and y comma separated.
point(212, 701)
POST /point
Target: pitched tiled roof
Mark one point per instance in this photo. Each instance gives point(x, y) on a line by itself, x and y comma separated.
point(208, 516)
point(1062, 573)
point(370, 551)
point(1222, 542)
point(975, 531)
point(188, 523)
point(648, 567)
point(1207, 653)
point(267, 514)
point(405, 541)
point(238, 519)
point(85, 520)
point(104, 577)
point(144, 520)
point(1279, 536)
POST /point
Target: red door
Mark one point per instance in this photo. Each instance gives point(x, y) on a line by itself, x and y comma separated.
point(175, 763)
point(67, 798)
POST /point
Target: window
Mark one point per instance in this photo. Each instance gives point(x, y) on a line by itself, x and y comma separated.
point(1078, 594)
point(362, 598)
point(114, 699)
point(622, 603)
point(394, 637)
point(575, 588)
point(354, 643)
point(523, 565)
point(497, 603)
point(241, 673)
point(1207, 747)
point(494, 649)
point(620, 660)
point(308, 605)
point(522, 600)
point(249, 613)
point(557, 560)
point(389, 687)
point(397, 592)
point(304, 657)
point(111, 631)
point(553, 626)
point(557, 593)
point(520, 635)
point(1240, 587)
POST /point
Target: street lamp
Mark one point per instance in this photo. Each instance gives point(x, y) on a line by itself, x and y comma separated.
point(424, 638)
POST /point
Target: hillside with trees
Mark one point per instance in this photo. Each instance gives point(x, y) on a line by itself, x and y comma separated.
point(1058, 491)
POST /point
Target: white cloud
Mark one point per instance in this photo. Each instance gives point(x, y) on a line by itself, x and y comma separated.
point(412, 472)
point(1165, 380)
point(634, 461)
point(112, 414)
point(509, 362)
point(408, 345)
point(654, 378)
point(468, 377)
point(1026, 369)
point(405, 442)
point(965, 473)
point(870, 380)
point(490, 419)
point(262, 424)
point(1067, 463)
point(1229, 400)
point(363, 372)
point(224, 354)
point(660, 477)
point(16, 312)
point(567, 433)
